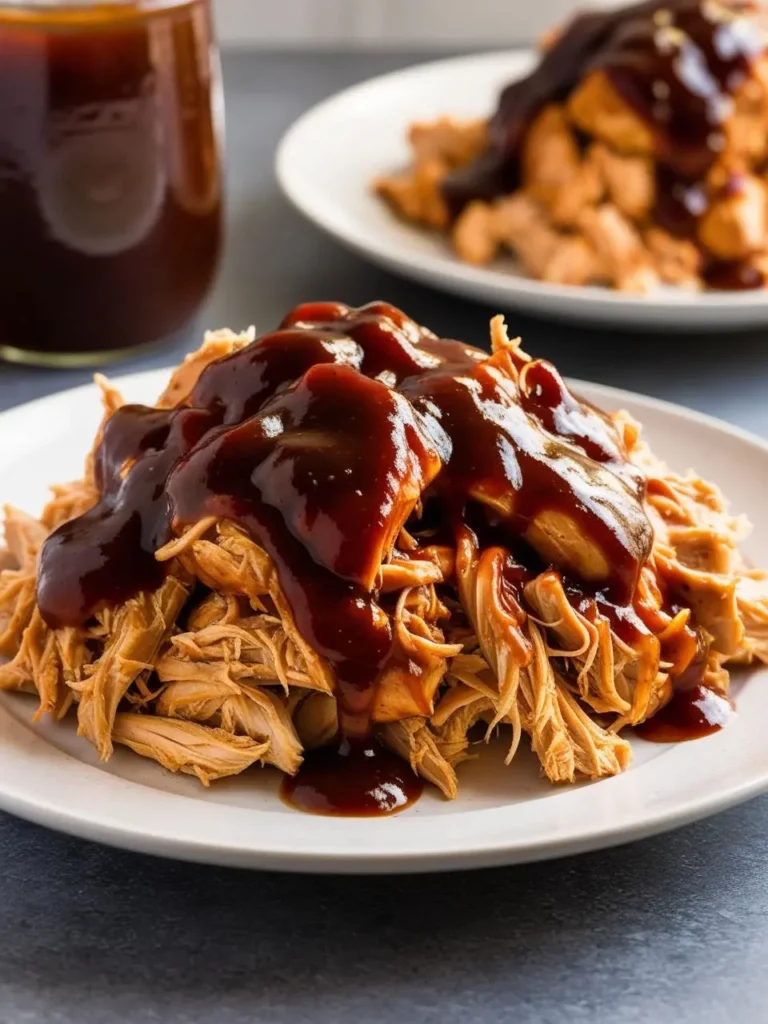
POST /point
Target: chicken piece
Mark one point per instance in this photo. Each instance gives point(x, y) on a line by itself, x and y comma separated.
point(734, 226)
point(17, 605)
point(587, 644)
point(238, 708)
point(198, 700)
point(746, 130)
point(24, 536)
point(74, 654)
point(549, 255)
point(693, 522)
point(461, 708)
point(181, 746)
point(214, 609)
point(676, 260)
point(315, 718)
point(586, 190)
point(252, 640)
point(554, 171)
point(565, 739)
point(138, 630)
point(256, 648)
point(551, 156)
point(596, 108)
point(467, 670)
point(702, 548)
point(711, 598)
point(619, 247)
point(230, 572)
point(416, 194)
point(629, 181)
point(216, 345)
point(530, 695)
point(497, 623)
point(455, 143)
point(560, 540)
point(408, 685)
point(752, 599)
point(403, 572)
point(171, 668)
point(414, 741)
point(474, 234)
point(37, 661)
point(445, 145)
point(263, 715)
point(68, 501)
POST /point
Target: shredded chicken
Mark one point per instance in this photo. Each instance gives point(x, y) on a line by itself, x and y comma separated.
point(209, 674)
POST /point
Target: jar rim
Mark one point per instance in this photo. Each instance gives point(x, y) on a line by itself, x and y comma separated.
point(84, 6)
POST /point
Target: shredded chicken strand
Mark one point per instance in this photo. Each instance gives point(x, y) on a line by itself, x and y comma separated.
point(209, 674)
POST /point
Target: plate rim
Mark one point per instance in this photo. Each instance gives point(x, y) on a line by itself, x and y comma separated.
point(43, 808)
point(586, 304)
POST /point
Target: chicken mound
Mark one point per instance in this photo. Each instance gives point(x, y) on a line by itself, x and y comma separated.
point(208, 674)
point(594, 179)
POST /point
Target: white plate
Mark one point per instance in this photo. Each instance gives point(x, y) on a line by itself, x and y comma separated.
point(502, 815)
point(327, 160)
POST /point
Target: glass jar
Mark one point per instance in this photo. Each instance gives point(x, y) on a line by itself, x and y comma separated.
point(110, 174)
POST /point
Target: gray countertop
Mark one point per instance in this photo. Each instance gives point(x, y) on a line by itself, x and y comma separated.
point(672, 929)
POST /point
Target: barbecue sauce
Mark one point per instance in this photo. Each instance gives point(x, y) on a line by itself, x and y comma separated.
point(677, 63)
point(691, 714)
point(110, 181)
point(352, 778)
point(318, 440)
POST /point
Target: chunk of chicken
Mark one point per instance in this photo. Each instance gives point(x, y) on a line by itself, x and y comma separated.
point(521, 224)
point(455, 143)
point(187, 747)
point(629, 181)
point(596, 108)
point(413, 740)
point(734, 226)
point(554, 171)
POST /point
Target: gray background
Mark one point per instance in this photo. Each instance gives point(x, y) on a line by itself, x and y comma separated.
point(673, 929)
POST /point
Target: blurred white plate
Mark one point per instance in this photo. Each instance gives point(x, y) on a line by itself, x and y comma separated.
point(502, 815)
point(327, 160)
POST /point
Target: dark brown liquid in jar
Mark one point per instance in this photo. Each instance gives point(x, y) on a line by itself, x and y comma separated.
point(110, 182)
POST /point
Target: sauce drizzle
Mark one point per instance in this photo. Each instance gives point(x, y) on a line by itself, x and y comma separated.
point(321, 440)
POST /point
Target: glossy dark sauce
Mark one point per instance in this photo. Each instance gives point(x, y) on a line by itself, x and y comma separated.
point(109, 172)
point(734, 275)
point(356, 778)
point(678, 66)
point(500, 455)
point(676, 63)
point(691, 714)
point(318, 440)
point(317, 478)
point(107, 555)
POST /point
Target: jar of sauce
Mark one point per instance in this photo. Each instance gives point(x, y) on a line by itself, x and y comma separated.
point(110, 174)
